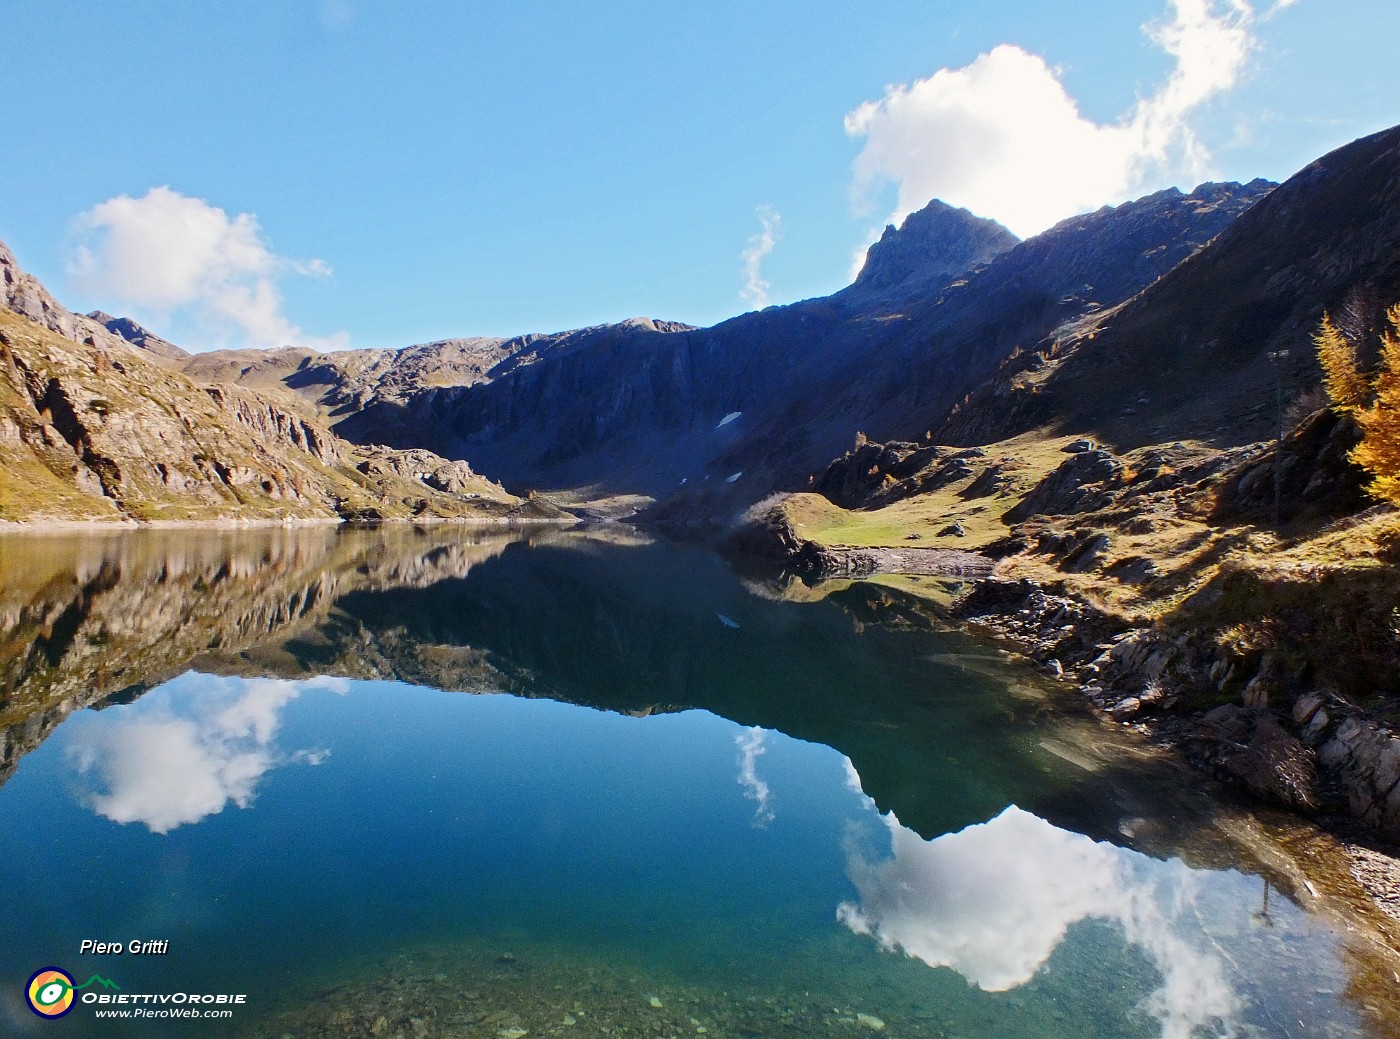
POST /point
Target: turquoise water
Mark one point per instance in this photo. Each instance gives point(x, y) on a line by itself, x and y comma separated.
point(697, 810)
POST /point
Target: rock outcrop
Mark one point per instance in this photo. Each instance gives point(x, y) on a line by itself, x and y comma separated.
point(1084, 482)
point(142, 337)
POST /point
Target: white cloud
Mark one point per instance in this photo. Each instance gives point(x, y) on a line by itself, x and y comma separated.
point(1003, 138)
point(751, 746)
point(166, 252)
point(755, 290)
point(153, 765)
point(994, 900)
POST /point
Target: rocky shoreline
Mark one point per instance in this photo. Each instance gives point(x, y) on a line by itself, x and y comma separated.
point(1243, 717)
point(1238, 715)
point(1311, 753)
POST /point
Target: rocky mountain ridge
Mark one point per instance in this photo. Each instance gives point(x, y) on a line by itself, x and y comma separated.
point(1176, 524)
point(899, 378)
point(138, 335)
point(707, 420)
point(23, 294)
point(339, 386)
point(715, 418)
point(98, 426)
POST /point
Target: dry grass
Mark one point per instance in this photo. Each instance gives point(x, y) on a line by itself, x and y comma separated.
point(1142, 575)
point(1025, 460)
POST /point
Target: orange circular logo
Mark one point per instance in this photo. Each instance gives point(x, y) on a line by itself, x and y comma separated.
point(50, 992)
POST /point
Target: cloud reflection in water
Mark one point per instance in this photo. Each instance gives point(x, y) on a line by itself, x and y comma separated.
point(150, 764)
point(751, 744)
point(994, 900)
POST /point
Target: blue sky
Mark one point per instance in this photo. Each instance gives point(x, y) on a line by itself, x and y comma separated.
point(376, 174)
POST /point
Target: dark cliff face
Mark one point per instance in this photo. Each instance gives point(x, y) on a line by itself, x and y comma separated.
point(901, 387)
point(1189, 357)
point(727, 414)
point(407, 397)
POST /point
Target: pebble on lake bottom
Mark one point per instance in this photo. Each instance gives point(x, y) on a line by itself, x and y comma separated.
point(426, 996)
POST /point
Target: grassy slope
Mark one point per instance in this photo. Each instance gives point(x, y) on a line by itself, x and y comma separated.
point(1026, 459)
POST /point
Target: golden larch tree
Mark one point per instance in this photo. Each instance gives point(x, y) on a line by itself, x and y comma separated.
point(1379, 450)
point(1346, 386)
point(1373, 402)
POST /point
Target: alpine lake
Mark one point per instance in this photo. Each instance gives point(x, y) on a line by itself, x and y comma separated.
point(451, 782)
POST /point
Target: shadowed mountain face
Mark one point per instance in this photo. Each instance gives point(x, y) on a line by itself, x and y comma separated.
point(366, 392)
point(709, 420)
point(716, 417)
point(1189, 356)
point(934, 244)
point(631, 407)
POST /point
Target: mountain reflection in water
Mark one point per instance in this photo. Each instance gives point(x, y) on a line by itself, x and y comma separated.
point(608, 621)
point(817, 790)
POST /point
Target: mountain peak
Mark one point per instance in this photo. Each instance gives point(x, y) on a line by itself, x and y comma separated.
point(25, 295)
point(138, 335)
point(936, 241)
